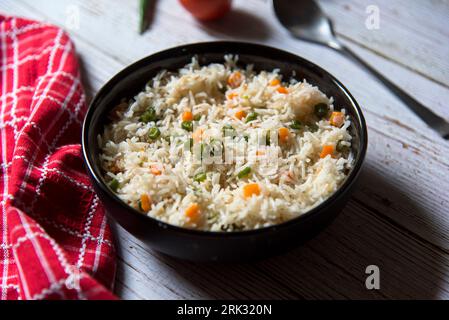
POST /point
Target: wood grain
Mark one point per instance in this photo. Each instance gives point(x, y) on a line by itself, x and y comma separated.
point(397, 217)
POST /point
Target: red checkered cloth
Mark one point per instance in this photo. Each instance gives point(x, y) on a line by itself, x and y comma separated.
point(55, 240)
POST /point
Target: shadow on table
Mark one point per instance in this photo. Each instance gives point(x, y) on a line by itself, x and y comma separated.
point(333, 264)
point(238, 24)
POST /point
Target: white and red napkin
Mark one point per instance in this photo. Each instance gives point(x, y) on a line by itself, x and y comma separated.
point(55, 240)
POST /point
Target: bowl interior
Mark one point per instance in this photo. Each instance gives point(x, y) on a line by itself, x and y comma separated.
point(130, 81)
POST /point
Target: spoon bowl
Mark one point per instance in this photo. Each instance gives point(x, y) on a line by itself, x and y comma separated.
point(305, 20)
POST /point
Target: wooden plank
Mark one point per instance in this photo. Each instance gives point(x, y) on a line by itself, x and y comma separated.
point(412, 33)
point(397, 216)
point(129, 46)
point(330, 266)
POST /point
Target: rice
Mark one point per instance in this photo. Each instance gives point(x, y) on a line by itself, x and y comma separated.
point(254, 155)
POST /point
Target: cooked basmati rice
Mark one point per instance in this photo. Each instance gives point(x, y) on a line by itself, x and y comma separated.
point(187, 180)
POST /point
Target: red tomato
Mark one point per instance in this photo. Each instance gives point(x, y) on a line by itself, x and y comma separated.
point(207, 9)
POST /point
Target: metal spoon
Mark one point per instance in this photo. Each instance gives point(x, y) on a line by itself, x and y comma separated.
point(305, 20)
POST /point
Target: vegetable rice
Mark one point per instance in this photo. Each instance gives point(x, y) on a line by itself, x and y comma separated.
point(223, 148)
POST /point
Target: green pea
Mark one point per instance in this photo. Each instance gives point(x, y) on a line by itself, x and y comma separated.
point(149, 115)
point(114, 185)
point(296, 125)
point(197, 117)
point(187, 125)
point(244, 173)
point(321, 110)
point(199, 177)
point(251, 117)
point(154, 133)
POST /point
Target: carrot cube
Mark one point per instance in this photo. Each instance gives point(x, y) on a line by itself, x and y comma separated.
point(251, 189)
point(327, 150)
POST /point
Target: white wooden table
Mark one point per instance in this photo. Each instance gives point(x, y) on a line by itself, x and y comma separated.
point(398, 217)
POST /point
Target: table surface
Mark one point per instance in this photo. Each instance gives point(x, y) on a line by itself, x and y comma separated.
point(398, 216)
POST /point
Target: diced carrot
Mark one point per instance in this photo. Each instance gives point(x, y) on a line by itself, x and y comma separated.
point(284, 134)
point(275, 82)
point(282, 90)
point(251, 189)
point(187, 116)
point(232, 95)
point(337, 119)
point(327, 150)
point(155, 170)
point(193, 211)
point(197, 135)
point(145, 202)
point(260, 152)
point(235, 79)
point(240, 114)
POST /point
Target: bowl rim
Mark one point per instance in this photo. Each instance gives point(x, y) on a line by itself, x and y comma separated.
point(129, 69)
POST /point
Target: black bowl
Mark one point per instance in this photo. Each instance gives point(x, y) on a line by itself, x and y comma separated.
point(219, 246)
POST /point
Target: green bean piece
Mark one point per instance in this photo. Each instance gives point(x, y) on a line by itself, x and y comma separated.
point(114, 185)
point(296, 125)
point(251, 117)
point(268, 138)
point(154, 133)
point(244, 173)
point(187, 125)
point(199, 177)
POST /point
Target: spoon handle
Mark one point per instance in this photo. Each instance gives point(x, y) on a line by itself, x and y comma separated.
point(433, 120)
